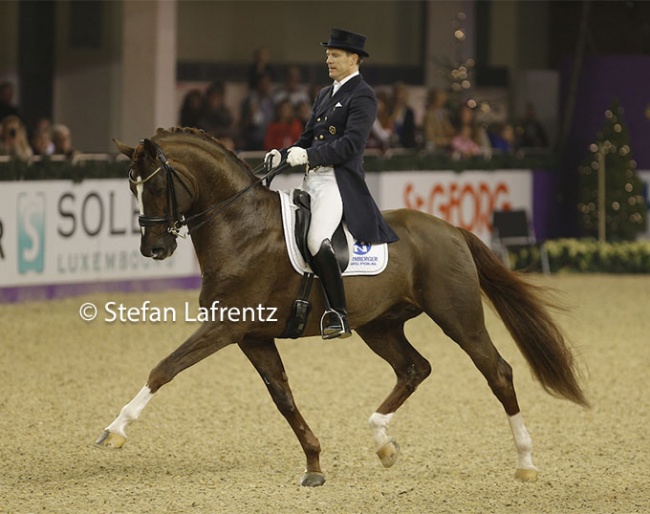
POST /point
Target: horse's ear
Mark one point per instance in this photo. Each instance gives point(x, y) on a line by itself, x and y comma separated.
point(125, 149)
point(149, 148)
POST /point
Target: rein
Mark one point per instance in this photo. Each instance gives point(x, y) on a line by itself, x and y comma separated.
point(177, 220)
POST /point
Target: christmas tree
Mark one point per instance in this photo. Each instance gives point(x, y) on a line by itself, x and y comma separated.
point(624, 205)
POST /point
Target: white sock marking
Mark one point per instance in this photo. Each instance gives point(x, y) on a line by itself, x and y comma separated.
point(130, 412)
point(378, 426)
point(523, 442)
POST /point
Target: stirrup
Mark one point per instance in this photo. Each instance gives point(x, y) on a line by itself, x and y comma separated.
point(340, 328)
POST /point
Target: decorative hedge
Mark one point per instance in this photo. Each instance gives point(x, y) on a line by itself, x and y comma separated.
point(47, 169)
point(63, 170)
point(587, 256)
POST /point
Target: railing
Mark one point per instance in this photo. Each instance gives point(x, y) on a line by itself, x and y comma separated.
point(104, 165)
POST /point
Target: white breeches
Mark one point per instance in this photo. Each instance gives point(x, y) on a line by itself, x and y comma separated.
point(326, 206)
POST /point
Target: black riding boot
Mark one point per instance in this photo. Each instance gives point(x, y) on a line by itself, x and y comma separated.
point(334, 322)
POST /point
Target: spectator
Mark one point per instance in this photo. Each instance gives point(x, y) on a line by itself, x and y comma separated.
point(285, 129)
point(438, 129)
point(403, 118)
point(42, 142)
point(217, 118)
point(502, 137)
point(256, 114)
point(261, 66)
point(313, 91)
point(291, 89)
point(63, 141)
point(303, 112)
point(192, 109)
point(530, 131)
point(471, 140)
point(7, 108)
point(14, 139)
point(382, 128)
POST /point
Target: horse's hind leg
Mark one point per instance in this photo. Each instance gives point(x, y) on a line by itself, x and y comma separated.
point(388, 341)
point(465, 325)
point(266, 359)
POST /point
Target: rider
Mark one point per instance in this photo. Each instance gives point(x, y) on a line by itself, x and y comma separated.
point(331, 149)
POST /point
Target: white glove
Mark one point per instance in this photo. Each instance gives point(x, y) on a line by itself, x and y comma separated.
point(297, 156)
point(273, 156)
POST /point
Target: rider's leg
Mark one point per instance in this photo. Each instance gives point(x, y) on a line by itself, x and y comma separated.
point(327, 211)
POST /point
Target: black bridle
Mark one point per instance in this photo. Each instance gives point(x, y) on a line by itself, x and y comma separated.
point(176, 220)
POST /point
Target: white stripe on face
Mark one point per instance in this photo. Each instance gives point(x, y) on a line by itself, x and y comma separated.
point(139, 188)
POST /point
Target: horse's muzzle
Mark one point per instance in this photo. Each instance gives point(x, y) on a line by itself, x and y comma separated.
point(158, 249)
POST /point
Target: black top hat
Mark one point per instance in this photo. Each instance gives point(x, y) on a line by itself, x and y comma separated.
point(345, 40)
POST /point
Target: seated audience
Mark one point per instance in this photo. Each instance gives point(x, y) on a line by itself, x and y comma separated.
point(14, 139)
point(291, 89)
point(63, 141)
point(382, 128)
point(531, 133)
point(303, 112)
point(285, 129)
point(42, 141)
point(471, 139)
point(403, 118)
point(502, 137)
point(437, 127)
point(216, 118)
point(256, 114)
point(192, 109)
point(261, 66)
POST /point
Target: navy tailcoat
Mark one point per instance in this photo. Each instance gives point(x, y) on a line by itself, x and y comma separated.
point(336, 135)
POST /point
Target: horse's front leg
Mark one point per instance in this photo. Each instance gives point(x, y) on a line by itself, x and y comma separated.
point(266, 359)
point(209, 338)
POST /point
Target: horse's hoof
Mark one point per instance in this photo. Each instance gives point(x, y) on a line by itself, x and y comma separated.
point(312, 479)
point(388, 453)
point(110, 440)
point(526, 475)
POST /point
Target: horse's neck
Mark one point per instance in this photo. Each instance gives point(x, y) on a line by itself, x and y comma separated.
point(218, 181)
point(238, 227)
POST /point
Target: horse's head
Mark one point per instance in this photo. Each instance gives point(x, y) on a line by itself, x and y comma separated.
point(163, 197)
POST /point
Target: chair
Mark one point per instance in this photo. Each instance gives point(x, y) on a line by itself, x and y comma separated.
point(512, 229)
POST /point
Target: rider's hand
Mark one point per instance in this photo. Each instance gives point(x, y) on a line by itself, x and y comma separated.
point(297, 156)
point(274, 157)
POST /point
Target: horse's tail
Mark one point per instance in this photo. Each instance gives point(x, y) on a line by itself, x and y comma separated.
point(523, 308)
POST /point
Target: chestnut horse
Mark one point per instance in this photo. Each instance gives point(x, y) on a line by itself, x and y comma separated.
point(185, 177)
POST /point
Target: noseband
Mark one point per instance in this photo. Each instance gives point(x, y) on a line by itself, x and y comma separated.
point(176, 220)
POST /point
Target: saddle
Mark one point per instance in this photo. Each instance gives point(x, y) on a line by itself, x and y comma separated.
point(354, 258)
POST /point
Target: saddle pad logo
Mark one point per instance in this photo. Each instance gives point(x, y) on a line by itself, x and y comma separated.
point(361, 248)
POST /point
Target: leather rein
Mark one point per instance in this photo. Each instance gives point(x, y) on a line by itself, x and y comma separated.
point(176, 220)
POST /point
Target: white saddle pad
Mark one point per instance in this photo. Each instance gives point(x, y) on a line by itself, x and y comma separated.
point(364, 259)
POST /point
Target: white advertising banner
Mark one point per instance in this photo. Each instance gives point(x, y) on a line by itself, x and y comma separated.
point(465, 199)
point(54, 232)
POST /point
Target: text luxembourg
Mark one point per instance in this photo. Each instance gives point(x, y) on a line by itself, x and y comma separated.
point(117, 312)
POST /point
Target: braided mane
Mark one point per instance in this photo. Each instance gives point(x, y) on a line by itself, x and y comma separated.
point(162, 133)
